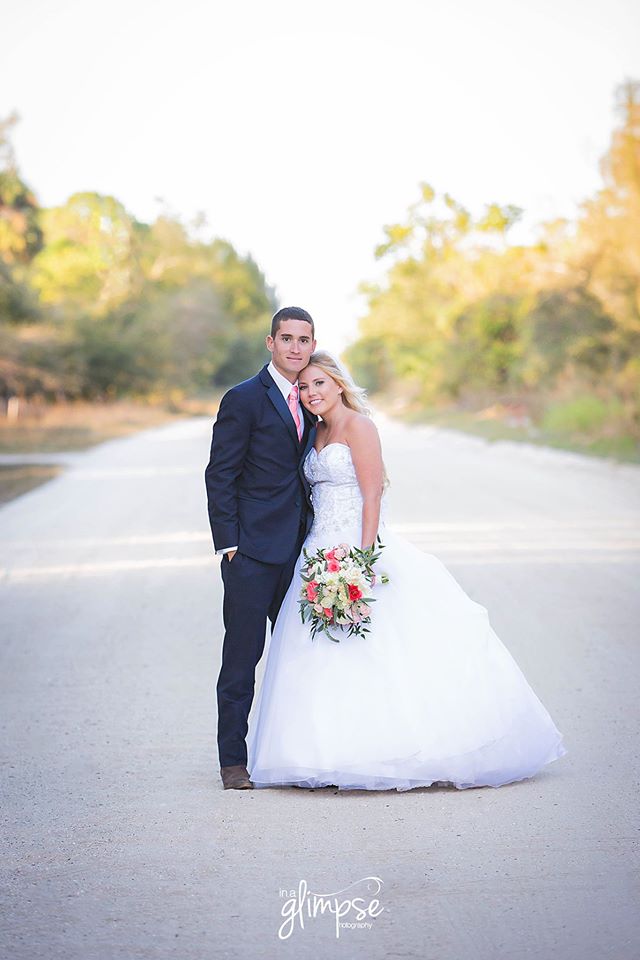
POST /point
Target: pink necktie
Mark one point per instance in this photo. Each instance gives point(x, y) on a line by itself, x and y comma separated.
point(293, 406)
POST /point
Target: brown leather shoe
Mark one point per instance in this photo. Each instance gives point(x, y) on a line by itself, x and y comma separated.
point(236, 777)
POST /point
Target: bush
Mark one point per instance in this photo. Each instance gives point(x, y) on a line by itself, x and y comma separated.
point(586, 414)
point(369, 362)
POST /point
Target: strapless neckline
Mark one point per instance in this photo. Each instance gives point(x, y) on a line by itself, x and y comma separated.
point(335, 443)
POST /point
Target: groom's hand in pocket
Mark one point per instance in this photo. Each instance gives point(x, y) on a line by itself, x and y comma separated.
point(231, 554)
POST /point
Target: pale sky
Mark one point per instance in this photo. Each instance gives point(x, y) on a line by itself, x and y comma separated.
point(300, 129)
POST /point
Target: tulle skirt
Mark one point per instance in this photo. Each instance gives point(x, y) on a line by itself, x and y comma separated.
point(430, 695)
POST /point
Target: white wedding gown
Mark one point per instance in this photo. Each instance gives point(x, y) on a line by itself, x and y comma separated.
point(430, 694)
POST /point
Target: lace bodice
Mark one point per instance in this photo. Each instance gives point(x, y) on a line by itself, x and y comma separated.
point(337, 501)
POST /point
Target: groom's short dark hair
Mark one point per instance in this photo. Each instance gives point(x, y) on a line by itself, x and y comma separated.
point(290, 313)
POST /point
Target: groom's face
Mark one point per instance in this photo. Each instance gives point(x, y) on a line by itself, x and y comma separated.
point(291, 347)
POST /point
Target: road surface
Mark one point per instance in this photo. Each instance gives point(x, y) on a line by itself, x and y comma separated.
point(121, 843)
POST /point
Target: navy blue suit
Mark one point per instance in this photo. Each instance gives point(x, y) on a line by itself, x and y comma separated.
point(259, 500)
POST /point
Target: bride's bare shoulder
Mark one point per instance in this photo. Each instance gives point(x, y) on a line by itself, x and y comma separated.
point(360, 427)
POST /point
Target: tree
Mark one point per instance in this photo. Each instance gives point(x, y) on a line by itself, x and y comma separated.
point(90, 260)
point(20, 233)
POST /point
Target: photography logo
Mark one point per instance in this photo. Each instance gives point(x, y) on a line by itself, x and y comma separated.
point(353, 908)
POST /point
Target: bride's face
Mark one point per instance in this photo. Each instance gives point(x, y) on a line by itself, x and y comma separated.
point(319, 392)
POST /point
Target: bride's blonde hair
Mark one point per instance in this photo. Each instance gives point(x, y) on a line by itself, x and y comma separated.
point(353, 396)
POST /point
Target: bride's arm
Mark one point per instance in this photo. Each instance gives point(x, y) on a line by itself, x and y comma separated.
point(366, 454)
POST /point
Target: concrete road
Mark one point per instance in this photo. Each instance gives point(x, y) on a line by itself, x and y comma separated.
point(121, 843)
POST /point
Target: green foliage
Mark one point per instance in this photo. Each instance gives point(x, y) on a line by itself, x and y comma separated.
point(485, 345)
point(94, 303)
point(89, 261)
point(245, 296)
point(113, 356)
point(20, 233)
point(586, 413)
point(463, 314)
point(567, 327)
point(18, 302)
point(369, 361)
point(20, 237)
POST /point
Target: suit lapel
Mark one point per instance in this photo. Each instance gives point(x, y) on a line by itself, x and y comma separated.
point(280, 404)
point(308, 438)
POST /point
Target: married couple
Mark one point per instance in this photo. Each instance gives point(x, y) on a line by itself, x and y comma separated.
point(430, 695)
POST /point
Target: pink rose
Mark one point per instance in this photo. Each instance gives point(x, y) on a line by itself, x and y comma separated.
point(333, 566)
point(312, 591)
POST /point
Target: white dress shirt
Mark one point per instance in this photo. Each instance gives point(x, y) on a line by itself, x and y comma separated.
point(284, 386)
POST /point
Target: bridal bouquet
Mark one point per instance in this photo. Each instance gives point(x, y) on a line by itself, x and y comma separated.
point(335, 587)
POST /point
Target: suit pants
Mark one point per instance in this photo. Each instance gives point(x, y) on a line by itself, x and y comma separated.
point(253, 592)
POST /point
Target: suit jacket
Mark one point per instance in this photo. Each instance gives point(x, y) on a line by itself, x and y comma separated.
point(257, 492)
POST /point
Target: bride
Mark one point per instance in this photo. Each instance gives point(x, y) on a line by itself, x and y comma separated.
point(430, 694)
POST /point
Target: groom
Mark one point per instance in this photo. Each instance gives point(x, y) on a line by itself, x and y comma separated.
point(259, 511)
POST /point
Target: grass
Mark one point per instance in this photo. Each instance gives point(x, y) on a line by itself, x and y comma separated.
point(77, 426)
point(16, 479)
point(575, 426)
